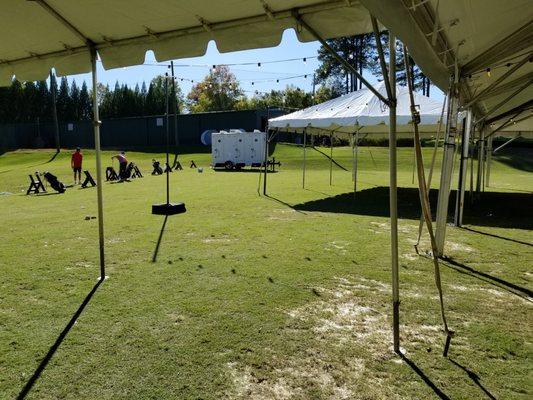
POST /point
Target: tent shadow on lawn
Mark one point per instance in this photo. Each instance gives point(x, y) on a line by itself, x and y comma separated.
point(44, 362)
point(517, 290)
point(504, 210)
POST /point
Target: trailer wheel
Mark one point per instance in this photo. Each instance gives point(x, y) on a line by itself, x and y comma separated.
point(229, 165)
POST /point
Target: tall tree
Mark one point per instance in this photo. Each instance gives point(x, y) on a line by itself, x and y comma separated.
point(85, 103)
point(356, 50)
point(218, 91)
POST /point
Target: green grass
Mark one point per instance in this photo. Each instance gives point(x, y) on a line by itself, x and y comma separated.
point(280, 297)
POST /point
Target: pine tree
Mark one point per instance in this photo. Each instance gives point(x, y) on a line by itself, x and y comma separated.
point(63, 102)
point(85, 104)
point(75, 102)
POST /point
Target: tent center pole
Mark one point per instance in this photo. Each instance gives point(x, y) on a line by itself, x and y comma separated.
point(393, 188)
point(96, 125)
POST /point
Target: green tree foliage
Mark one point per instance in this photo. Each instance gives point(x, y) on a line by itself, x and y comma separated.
point(29, 101)
point(218, 91)
point(361, 52)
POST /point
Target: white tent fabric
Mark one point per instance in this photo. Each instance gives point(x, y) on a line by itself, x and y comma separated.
point(35, 39)
point(363, 111)
point(478, 39)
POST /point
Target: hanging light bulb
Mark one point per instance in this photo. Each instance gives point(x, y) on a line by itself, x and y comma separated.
point(488, 72)
point(305, 60)
point(252, 83)
point(277, 81)
point(259, 65)
point(214, 68)
point(305, 76)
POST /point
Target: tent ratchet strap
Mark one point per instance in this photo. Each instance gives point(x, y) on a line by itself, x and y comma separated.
point(424, 202)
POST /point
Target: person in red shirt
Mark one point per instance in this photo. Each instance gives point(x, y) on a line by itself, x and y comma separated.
point(75, 163)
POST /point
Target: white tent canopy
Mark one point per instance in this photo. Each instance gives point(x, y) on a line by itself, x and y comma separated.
point(38, 35)
point(362, 111)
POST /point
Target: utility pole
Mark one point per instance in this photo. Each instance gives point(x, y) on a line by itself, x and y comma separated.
point(54, 110)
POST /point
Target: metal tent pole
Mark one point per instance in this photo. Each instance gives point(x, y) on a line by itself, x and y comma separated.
point(393, 195)
point(53, 85)
point(167, 129)
point(265, 163)
point(480, 158)
point(471, 155)
point(356, 161)
point(463, 167)
point(175, 103)
point(447, 170)
point(508, 142)
point(305, 153)
point(96, 125)
point(330, 158)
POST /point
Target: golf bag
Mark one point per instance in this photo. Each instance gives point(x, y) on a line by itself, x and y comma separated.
point(157, 168)
point(54, 183)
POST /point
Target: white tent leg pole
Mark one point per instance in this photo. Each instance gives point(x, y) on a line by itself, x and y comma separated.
point(471, 155)
point(508, 142)
point(460, 198)
point(305, 153)
point(330, 158)
point(96, 124)
point(489, 160)
point(356, 161)
point(393, 197)
point(481, 156)
point(267, 141)
point(446, 172)
point(414, 166)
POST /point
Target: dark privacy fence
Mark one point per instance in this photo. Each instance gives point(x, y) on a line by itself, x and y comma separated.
point(135, 132)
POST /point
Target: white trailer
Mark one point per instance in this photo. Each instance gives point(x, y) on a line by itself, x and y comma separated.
point(236, 149)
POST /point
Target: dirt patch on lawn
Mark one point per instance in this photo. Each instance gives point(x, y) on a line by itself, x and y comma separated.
point(342, 339)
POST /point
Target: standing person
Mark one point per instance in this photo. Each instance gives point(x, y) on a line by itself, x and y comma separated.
point(75, 163)
point(123, 162)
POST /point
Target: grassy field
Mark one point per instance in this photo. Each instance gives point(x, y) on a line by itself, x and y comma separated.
point(252, 297)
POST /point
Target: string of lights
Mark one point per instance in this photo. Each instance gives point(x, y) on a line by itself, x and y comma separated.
point(504, 64)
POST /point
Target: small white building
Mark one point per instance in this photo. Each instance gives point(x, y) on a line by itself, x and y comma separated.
point(236, 149)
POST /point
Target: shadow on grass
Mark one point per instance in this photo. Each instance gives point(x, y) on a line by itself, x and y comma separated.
point(329, 158)
point(238, 171)
point(42, 365)
point(497, 236)
point(52, 158)
point(424, 377)
point(506, 210)
point(475, 378)
point(284, 203)
point(517, 290)
point(517, 158)
point(156, 250)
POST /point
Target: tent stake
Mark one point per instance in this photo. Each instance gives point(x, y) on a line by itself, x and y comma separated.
point(96, 125)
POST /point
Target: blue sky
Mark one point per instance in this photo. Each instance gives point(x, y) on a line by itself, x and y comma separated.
point(198, 67)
